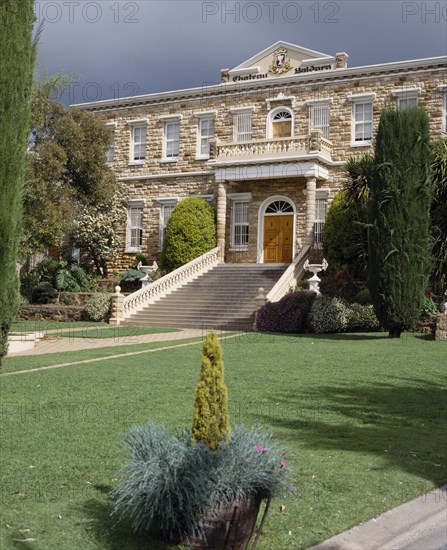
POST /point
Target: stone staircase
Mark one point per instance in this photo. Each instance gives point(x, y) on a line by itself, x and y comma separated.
point(222, 298)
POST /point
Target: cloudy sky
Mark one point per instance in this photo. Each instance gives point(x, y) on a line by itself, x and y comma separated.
point(123, 48)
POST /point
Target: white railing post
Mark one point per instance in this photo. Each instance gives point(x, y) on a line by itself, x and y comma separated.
point(117, 307)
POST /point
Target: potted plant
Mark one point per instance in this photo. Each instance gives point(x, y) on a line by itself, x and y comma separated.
point(202, 487)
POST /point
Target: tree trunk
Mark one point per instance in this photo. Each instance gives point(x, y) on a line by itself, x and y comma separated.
point(394, 333)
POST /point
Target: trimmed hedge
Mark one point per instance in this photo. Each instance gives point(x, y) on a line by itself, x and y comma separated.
point(191, 231)
point(328, 315)
point(362, 318)
point(288, 315)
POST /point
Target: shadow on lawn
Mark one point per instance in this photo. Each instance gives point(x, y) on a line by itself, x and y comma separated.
point(113, 535)
point(402, 421)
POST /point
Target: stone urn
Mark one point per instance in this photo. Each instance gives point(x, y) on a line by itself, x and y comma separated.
point(148, 270)
point(314, 281)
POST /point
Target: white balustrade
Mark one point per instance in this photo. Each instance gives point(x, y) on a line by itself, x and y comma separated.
point(290, 277)
point(265, 148)
point(262, 148)
point(166, 284)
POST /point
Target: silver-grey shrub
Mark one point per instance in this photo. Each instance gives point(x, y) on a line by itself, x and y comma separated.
point(169, 481)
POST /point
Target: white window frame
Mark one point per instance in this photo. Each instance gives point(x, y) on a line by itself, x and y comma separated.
point(247, 110)
point(442, 88)
point(318, 122)
point(271, 116)
point(140, 123)
point(134, 205)
point(236, 199)
point(166, 120)
point(361, 99)
point(402, 96)
point(165, 202)
point(321, 195)
point(206, 116)
point(110, 153)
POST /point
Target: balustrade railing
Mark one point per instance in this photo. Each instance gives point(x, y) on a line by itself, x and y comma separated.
point(290, 277)
point(126, 306)
point(266, 148)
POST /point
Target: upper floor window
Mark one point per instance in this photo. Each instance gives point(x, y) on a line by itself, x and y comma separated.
point(280, 123)
point(243, 127)
point(444, 118)
point(362, 119)
point(110, 154)
point(319, 118)
point(134, 233)
point(172, 140)
point(206, 132)
point(137, 141)
point(404, 102)
point(406, 97)
point(362, 122)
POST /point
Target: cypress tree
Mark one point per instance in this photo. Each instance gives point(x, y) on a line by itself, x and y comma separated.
point(211, 424)
point(399, 211)
point(17, 54)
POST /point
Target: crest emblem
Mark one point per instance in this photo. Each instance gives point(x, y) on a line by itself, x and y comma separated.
point(281, 63)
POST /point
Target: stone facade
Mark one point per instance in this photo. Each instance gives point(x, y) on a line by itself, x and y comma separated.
point(302, 166)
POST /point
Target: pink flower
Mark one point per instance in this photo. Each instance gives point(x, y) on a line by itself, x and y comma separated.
point(283, 464)
point(261, 449)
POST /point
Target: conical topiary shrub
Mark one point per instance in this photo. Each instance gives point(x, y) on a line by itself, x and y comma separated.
point(211, 424)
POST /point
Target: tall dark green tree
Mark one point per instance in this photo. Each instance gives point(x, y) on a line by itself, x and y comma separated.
point(439, 215)
point(399, 240)
point(17, 55)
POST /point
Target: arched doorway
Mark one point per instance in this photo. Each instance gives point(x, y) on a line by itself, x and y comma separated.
point(276, 236)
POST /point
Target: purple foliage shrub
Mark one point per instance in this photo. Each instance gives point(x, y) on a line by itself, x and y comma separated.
point(287, 315)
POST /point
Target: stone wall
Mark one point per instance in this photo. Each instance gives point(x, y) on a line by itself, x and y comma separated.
point(51, 312)
point(441, 327)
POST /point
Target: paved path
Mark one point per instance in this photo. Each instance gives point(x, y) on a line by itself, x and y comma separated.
point(420, 524)
point(53, 344)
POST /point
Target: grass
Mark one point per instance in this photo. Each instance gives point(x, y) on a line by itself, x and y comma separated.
point(29, 362)
point(114, 332)
point(364, 417)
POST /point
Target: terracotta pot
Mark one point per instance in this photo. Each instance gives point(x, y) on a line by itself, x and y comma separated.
point(228, 526)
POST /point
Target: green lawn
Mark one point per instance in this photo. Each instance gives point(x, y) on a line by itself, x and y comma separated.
point(364, 417)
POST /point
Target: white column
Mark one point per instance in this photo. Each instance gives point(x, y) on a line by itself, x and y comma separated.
point(311, 187)
point(221, 220)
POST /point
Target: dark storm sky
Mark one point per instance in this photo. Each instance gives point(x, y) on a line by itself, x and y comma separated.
point(121, 48)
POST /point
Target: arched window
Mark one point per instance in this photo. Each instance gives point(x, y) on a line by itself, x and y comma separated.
point(279, 207)
point(280, 123)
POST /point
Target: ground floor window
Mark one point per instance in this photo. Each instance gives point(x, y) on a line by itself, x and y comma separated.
point(134, 237)
point(239, 226)
point(320, 217)
point(167, 205)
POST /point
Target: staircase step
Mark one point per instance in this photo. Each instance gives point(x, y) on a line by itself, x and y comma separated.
point(221, 298)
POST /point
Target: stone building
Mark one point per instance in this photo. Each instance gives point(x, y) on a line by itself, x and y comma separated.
point(267, 146)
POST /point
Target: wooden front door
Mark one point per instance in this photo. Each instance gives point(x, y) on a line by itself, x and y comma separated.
point(278, 239)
